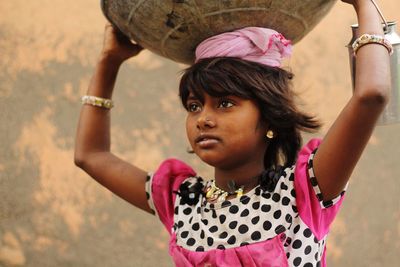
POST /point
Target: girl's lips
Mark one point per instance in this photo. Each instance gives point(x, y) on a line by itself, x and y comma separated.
point(206, 141)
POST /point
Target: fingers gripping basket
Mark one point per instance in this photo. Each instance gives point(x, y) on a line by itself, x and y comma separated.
point(173, 28)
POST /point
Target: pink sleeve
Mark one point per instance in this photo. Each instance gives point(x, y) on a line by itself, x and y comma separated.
point(163, 183)
point(314, 212)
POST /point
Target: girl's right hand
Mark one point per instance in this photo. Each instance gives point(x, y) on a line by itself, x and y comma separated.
point(117, 46)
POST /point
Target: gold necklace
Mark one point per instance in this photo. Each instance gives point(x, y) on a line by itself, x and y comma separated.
point(214, 193)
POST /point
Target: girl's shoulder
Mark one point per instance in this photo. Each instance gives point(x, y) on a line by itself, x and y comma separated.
point(173, 167)
point(162, 185)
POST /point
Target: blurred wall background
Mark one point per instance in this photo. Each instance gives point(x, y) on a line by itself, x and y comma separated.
point(53, 214)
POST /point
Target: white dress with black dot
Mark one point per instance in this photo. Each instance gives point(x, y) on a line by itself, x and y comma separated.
point(285, 227)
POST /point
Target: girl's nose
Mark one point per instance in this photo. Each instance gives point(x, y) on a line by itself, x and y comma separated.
point(205, 121)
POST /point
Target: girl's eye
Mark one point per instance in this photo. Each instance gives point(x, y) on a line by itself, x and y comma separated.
point(225, 104)
point(193, 107)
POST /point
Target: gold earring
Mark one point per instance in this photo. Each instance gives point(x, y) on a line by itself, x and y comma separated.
point(270, 134)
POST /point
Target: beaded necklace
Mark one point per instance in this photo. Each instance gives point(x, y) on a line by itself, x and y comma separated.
point(214, 193)
point(191, 192)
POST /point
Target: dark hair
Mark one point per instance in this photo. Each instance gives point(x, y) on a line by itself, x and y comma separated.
point(269, 87)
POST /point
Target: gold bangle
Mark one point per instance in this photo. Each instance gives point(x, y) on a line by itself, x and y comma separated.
point(371, 39)
point(97, 101)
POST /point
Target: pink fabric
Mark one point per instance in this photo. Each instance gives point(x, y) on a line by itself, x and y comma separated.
point(167, 179)
point(268, 253)
point(317, 218)
point(323, 259)
point(255, 44)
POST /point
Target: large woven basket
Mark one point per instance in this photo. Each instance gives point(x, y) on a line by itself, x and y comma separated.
point(173, 28)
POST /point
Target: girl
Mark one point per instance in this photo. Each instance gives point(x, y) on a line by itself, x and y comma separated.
point(270, 202)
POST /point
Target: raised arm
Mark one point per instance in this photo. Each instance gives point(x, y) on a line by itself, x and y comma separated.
point(92, 146)
point(346, 139)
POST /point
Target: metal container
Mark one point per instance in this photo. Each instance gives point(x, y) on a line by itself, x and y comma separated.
point(391, 114)
point(173, 28)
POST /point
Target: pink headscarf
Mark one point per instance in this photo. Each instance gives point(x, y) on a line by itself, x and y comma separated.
point(255, 44)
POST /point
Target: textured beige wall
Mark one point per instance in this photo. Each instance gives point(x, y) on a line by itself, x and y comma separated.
point(53, 214)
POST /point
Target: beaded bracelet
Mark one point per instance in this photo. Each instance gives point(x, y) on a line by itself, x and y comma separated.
point(97, 101)
point(371, 39)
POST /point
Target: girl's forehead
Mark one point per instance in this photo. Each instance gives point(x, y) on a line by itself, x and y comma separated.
point(202, 95)
point(210, 87)
point(205, 97)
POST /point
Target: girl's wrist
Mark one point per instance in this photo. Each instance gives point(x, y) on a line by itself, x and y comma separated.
point(364, 4)
point(110, 59)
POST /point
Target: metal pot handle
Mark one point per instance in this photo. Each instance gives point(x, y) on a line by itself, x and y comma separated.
point(386, 28)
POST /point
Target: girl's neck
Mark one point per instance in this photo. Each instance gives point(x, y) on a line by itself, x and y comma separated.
point(246, 176)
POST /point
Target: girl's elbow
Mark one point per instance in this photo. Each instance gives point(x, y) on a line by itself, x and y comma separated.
point(376, 96)
point(79, 160)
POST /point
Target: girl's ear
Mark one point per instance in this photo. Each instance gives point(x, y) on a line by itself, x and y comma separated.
point(263, 125)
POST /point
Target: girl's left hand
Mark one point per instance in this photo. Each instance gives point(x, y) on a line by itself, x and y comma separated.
point(355, 3)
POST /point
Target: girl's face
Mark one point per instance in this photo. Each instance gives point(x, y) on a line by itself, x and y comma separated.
point(225, 132)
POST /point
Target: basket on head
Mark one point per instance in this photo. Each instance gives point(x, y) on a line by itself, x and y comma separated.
point(173, 28)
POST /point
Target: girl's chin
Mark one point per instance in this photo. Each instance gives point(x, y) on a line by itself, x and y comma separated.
point(216, 161)
point(210, 158)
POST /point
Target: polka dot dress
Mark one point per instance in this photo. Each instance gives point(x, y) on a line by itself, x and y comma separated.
point(257, 217)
